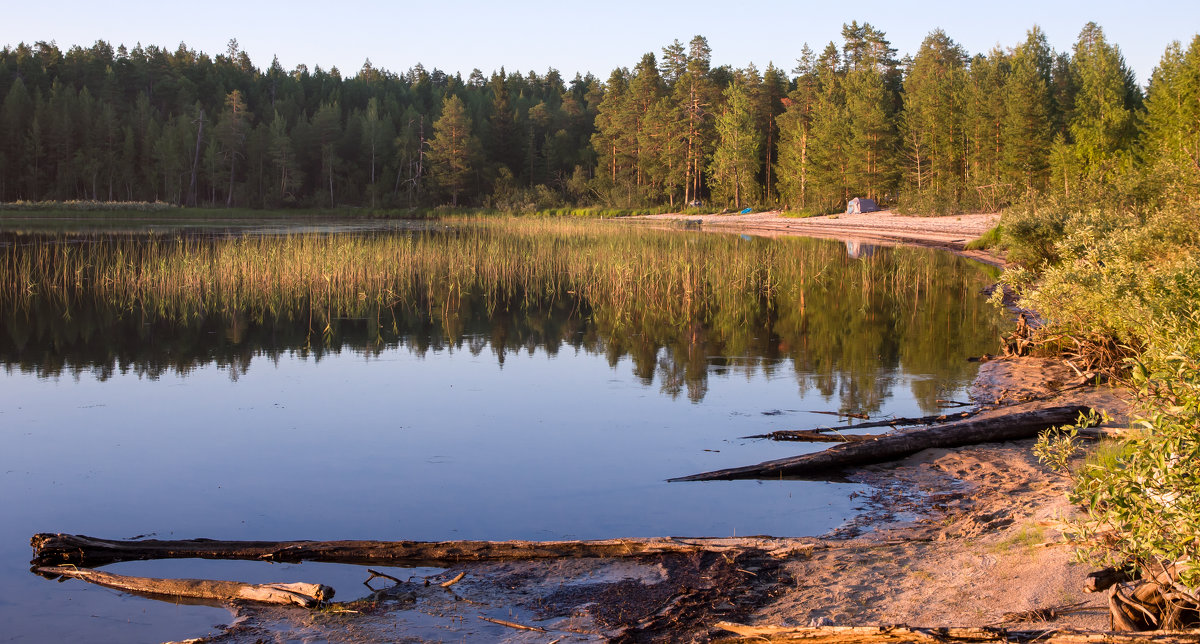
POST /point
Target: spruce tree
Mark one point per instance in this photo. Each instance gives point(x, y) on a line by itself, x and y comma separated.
point(1027, 132)
point(1170, 144)
point(932, 125)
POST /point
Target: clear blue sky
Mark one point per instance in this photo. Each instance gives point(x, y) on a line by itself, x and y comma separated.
point(458, 35)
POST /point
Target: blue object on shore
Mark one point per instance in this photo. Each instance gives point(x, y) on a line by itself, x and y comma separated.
point(747, 211)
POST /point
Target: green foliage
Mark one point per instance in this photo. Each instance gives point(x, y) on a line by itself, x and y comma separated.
point(932, 126)
point(1057, 446)
point(990, 239)
point(734, 168)
point(1031, 232)
point(944, 133)
point(1121, 290)
point(1169, 148)
point(1145, 508)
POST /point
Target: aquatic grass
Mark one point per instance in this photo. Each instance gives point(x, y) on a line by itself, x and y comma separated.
point(680, 297)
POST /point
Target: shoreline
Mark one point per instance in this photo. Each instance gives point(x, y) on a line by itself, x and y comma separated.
point(949, 232)
point(946, 537)
point(966, 534)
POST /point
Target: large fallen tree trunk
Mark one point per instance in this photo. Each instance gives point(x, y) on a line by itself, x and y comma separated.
point(890, 447)
point(302, 594)
point(942, 635)
point(60, 549)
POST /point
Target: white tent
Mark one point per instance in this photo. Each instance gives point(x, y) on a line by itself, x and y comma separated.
point(859, 205)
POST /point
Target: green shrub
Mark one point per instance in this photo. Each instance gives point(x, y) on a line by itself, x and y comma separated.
point(990, 239)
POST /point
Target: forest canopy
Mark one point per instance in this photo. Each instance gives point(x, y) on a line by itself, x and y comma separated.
point(941, 130)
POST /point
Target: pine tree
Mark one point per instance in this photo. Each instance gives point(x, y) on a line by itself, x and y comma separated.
point(614, 145)
point(987, 85)
point(830, 136)
point(735, 162)
point(327, 130)
point(768, 106)
point(694, 93)
point(795, 126)
point(231, 133)
point(645, 89)
point(454, 151)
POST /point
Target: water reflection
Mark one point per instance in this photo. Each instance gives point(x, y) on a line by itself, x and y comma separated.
point(681, 306)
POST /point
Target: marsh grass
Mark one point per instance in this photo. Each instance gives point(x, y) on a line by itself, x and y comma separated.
point(628, 289)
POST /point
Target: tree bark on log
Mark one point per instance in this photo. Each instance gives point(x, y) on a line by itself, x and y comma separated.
point(885, 634)
point(895, 446)
point(816, 436)
point(79, 550)
point(300, 593)
point(892, 422)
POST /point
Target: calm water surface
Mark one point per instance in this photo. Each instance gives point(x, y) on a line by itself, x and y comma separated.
point(495, 414)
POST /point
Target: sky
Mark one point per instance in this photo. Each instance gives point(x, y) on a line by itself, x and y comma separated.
point(459, 35)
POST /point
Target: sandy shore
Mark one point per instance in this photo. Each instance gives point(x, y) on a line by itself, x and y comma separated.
point(885, 227)
point(983, 538)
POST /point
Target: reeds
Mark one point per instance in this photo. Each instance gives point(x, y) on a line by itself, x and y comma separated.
point(634, 290)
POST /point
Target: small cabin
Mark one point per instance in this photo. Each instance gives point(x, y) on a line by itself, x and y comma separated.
point(859, 205)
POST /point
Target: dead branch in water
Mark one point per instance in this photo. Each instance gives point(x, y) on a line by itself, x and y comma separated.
point(817, 436)
point(302, 594)
point(520, 627)
point(784, 434)
point(895, 446)
point(58, 549)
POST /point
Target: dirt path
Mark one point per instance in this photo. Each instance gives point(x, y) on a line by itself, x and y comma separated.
point(951, 232)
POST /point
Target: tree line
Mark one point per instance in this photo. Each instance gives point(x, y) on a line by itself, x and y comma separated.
point(938, 131)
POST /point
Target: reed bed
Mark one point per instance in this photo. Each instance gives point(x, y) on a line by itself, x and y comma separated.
point(632, 291)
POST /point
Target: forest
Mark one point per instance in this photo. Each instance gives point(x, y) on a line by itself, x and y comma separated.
point(936, 132)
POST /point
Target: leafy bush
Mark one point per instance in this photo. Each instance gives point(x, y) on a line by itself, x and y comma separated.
point(1146, 508)
point(1121, 288)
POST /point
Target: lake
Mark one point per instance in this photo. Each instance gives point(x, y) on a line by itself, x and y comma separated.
point(507, 379)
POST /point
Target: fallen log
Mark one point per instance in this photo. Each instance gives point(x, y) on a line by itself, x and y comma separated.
point(941, 635)
point(817, 436)
point(783, 434)
point(59, 549)
point(895, 446)
point(301, 594)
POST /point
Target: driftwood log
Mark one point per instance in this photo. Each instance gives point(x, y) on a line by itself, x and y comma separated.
point(885, 634)
point(79, 550)
point(301, 594)
point(816, 436)
point(895, 446)
point(786, 434)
